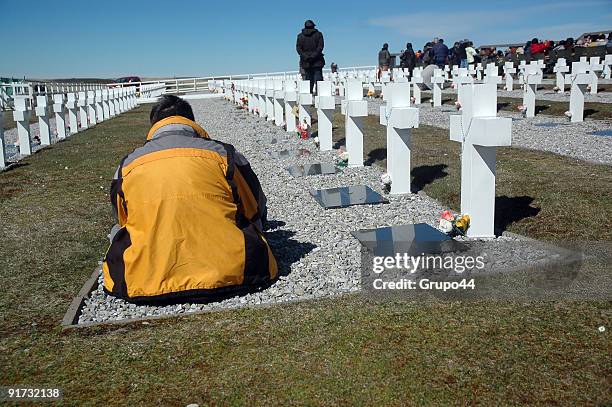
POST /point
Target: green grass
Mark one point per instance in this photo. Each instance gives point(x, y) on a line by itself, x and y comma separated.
point(348, 351)
point(539, 194)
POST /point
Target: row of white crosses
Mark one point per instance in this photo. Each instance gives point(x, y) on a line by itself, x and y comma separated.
point(91, 106)
point(477, 127)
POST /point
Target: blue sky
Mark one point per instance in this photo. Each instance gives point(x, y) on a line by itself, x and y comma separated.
point(51, 39)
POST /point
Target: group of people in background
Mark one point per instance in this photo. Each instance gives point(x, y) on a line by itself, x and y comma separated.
point(310, 46)
point(463, 53)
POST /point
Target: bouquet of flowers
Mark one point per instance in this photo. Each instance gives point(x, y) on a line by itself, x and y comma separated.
point(316, 141)
point(371, 93)
point(304, 130)
point(522, 109)
point(386, 180)
point(454, 225)
point(342, 158)
point(244, 102)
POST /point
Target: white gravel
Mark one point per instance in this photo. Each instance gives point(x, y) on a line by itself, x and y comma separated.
point(317, 255)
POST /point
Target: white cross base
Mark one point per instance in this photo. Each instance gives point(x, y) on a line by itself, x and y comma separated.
point(480, 132)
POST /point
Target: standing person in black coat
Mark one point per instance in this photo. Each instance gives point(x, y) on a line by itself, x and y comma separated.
point(384, 59)
point(310, 48)
point(408, 58)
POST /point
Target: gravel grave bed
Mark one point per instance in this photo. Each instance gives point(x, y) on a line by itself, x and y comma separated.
point(562, 137)
point(316, 253)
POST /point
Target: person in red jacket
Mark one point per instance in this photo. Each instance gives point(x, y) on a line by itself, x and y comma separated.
point(538, 47)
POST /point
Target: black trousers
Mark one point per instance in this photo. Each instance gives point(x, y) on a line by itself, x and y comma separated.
point(313, 75)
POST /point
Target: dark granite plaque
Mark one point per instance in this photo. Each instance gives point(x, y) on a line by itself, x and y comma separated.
point(346, 196)
point(602, 133)
point(414, 239)
point(302, 152)
point(312, 169)
point(548, 124)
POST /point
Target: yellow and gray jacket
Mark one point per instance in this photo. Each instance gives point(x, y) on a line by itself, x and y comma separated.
point(190, 211)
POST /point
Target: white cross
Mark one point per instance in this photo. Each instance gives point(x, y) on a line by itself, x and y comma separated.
point(480, 131)
point(60, 115)
point(399, 118)
point(532, 77)
point(82, 102)
point(491, 75)
point(21, 115)
point(607, 71)
point(43, 120)
point(560, 70)
point(355, 109)
point(579, 79)
point(509, 69)
point(415, 80)
point(463, 78)
point(594, 66)
point(437, 81)
point(71, 105)
point(290, 102)
point(279, 96)
point(269, 83)
point(99, 106)
point(325, 102)
point(304, 99)
point(91, 106)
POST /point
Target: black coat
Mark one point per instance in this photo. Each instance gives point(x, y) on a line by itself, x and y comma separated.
point(310, 48)
point(408, 59)
point(384, 57)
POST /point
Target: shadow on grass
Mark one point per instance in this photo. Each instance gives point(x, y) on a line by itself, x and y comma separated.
point(589, 112)
point(539, 109)
point(513, 209)
point(426, 174)
point(378, 154)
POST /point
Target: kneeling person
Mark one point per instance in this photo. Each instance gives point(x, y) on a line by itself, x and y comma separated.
point(190, 212)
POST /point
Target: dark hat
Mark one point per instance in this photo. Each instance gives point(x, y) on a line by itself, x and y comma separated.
point(309, 24)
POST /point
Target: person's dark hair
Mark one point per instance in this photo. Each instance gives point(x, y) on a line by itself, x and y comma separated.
point(170, 105)
point(441, 41)
point(534, 41)
point(385, 46)
point(309, 24)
